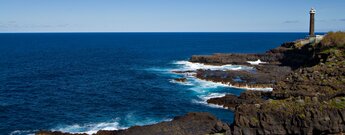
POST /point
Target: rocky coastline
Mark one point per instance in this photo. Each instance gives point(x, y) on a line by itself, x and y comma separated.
point(308, 95)
point(191, 123)
point(308, 99)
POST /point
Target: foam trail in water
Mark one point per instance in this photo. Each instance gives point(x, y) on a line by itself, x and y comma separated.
point(90, 128)
point(130, 119)
point(182, 83)
point(206, 89)
point(186, 65)
point(256, 62)
point(229, 85)
point(204, 83)
point(23, 132)
point(205, 97)
point(158, 69)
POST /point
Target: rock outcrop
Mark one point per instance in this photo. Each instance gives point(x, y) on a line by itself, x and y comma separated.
point(289, 117)
point(308, 100)
point(236, 59)
point(232, 101)
point(278, 63)
point(288, 54)
point(190, 124)
point(180, 79)
point(264, 76)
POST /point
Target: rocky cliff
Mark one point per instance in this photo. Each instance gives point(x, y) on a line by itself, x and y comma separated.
point(308, 100)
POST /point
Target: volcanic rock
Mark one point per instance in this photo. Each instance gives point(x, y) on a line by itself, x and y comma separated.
point(180, 79)
point(190, 124)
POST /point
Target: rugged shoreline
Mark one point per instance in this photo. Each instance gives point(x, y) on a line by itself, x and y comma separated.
point(191, 123)
point(308, 94)
point(308, 99)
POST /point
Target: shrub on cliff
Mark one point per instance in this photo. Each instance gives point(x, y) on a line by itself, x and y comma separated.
point(334, 39)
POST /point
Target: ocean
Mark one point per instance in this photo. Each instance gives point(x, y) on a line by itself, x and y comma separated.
point(85, 82)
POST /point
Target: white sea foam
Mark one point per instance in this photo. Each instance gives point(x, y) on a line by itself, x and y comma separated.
point(23, 132)
point(206, 104)
point(208, 84)
point(90, 128)
point(186, 74)
point(246, 87)
point(204, 98)
point(206, 89)
point(161, 70)
point(187, 66)
point(219, 84)
point(182, 83)
point(133, 119)
point(212, 95)
point(256, 62)
point(200, 85)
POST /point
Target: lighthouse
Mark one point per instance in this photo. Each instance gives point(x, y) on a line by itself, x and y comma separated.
point(311, 39)
point(312, 23)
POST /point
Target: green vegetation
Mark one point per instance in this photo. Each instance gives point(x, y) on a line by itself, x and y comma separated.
point(338, 103)
point(302, 115)
point(288, 107)
point(333, 46)
point(255, 120)
point(334, 39)
point(298, 45)
point(298, 107)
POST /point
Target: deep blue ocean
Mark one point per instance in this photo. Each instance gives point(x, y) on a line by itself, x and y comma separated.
point(84, 82)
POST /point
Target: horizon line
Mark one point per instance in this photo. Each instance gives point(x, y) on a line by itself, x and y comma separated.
point(159, 32)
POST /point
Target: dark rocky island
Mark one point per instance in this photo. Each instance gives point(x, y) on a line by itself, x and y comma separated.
point(308, 95)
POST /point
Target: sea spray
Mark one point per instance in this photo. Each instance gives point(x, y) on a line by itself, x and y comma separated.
point(89, 128)
point(186, 66)
point(208, 89)
point(190, 66)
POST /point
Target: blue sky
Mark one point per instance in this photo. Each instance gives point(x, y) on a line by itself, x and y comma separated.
point(169, 15)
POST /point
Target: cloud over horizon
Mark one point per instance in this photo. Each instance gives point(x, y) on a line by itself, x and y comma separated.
point(291, 21)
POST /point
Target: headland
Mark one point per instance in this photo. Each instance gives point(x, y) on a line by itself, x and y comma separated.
point(307, 96)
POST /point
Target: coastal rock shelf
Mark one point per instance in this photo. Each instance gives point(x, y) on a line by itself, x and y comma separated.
point(308, 95)
point(307, 98)
point(192, 123)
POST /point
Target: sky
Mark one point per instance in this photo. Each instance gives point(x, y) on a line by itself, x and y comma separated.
point(170, 15)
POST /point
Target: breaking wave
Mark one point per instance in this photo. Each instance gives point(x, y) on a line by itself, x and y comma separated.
point(90, 128)
point(187, 66)
point(207, 89)
point(23, 132)
point(116, 124)
point(203, 99)
point(232, 86)
point(257, 62)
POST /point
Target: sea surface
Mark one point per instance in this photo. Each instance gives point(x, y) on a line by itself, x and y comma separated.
point(84, 82)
